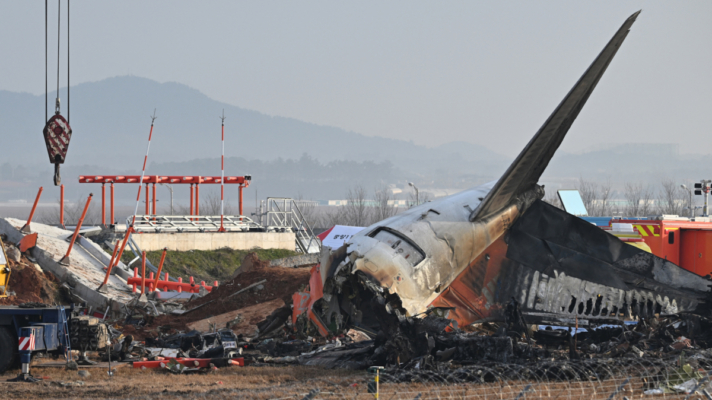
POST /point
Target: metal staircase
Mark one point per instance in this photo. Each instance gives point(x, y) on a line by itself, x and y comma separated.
point(64, 335)
point(282, 214)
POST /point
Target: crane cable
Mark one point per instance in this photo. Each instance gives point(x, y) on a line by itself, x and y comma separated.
point(46, 68)
point(57, 131)
point(57, 101)
point(67, 61)
point(59, 13)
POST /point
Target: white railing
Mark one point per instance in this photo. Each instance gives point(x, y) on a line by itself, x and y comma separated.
point(192, 223)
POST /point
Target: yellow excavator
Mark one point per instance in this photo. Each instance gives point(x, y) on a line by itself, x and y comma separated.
point(4, 272)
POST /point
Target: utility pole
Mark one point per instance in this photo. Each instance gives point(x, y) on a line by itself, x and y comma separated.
point(417, 198)
point(171, 189)
point(692, 212)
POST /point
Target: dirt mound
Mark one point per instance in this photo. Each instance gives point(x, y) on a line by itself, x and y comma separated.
point(31, 285)
point(280, 283)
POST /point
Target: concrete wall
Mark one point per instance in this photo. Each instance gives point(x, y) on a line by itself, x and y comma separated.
point(214, 240)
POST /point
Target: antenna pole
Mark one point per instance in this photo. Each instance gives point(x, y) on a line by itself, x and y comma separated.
point(115, 261)
point(222, 174)
point(143, 171)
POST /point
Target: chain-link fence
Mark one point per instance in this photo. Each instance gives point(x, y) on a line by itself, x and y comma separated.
point(670, 378)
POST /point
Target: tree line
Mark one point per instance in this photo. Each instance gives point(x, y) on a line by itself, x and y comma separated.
point(634, 199)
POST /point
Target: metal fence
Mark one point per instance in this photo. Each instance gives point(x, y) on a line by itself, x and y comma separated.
point(651, 378)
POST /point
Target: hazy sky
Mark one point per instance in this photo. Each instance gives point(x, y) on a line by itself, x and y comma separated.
point(434, 72)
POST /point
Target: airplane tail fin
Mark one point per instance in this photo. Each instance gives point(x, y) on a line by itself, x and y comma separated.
point(527, 168)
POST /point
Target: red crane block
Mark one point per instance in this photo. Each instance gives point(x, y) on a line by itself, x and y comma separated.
point(57, 134)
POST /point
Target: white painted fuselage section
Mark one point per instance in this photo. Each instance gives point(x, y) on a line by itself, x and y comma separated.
point(442, 230)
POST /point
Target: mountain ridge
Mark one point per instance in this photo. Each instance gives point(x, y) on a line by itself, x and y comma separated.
point(188, 128)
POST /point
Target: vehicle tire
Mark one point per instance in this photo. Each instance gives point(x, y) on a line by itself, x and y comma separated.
point(8, 349)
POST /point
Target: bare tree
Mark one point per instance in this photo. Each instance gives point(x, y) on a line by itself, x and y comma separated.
point(639, 199)
point(633, 193)
point(383, 209)
point(181, 209)
point(603, 208)
point(671, 198)
point(72, 213)
point(356, 211)
point(210, 205)
point(647, 198)
point(589, 194)
point(333, 216)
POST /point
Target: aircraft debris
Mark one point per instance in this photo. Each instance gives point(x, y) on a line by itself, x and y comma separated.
point(470, 256)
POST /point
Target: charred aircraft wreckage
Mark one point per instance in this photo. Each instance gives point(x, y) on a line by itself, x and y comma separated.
point(497, 253)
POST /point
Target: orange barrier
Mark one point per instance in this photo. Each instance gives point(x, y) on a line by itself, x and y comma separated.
point(160, 267)
point(137, 281)
point(188, 362)
point(143, 273)
point(28, 242)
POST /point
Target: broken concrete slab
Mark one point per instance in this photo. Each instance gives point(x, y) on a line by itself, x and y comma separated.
point(245, 319)
point(85, 272)
point(300, 261)
point(97, 252)
point(173, 295)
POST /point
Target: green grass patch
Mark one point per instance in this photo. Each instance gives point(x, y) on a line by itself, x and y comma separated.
point(204, 265)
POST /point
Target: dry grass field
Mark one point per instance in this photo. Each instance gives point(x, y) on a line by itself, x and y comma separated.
point(292, 382)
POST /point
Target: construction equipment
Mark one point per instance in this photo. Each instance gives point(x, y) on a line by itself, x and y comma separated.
point(4, 272)
point(57, 131)
point(25, 330)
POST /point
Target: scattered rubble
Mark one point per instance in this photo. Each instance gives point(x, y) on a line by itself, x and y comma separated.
point(246, 321)
point(242, 321)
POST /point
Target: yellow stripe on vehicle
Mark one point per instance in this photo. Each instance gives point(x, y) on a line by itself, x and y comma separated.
point(641, 230)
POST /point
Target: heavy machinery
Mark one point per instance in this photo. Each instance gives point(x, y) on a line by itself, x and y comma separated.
point(26, 330)
point(30, 328)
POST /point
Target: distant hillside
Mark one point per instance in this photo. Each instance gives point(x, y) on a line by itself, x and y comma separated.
point(286, 156)
point(645, 162)
point(110, 123)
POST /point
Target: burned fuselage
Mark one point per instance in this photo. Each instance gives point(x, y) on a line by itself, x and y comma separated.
point(472, 254)
point(558, 268)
